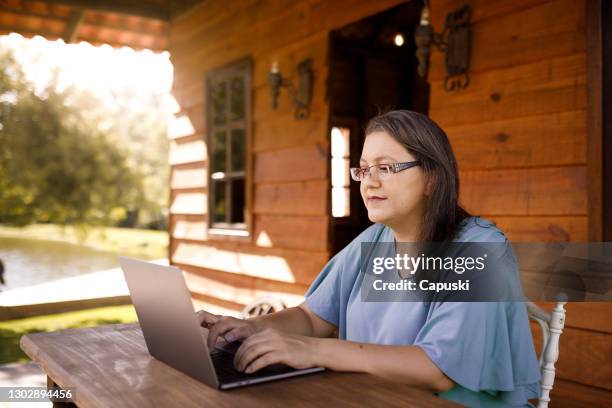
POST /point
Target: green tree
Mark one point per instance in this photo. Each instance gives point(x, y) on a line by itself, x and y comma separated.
point(54, 166)
point(137, 122)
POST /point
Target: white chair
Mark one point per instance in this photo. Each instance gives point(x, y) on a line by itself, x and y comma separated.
point(552, 327)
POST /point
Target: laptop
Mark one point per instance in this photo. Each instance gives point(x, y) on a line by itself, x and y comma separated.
point(173, 333)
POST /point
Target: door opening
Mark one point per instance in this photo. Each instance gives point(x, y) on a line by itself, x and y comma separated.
point(372, 68)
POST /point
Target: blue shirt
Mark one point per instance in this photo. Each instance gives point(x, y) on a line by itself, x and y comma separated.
point(486, 348)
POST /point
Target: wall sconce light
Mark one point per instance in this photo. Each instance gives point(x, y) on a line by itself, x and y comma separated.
point(454, 42)
point(302, 95)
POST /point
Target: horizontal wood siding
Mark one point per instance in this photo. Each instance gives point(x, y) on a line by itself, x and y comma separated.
point(289, 245)
point(519, 132)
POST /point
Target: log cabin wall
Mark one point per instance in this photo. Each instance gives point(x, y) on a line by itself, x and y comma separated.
point(520, 135)
point(288, 206)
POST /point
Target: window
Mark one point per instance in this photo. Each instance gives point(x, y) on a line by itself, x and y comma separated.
point(341, 205)
point(228, 116)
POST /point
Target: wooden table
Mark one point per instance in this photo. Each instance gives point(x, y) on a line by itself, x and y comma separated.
point(109, 366)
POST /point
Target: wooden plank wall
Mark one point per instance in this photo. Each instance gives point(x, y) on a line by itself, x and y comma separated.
point(520, 135)
point(290, 244)
point(519, 132)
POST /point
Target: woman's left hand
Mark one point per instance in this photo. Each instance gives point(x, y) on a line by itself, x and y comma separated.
point(271, 346)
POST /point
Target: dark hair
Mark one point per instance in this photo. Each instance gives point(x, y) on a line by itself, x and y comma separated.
point(424, 139)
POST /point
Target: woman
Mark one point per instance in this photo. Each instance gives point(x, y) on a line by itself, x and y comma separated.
point(478, 354)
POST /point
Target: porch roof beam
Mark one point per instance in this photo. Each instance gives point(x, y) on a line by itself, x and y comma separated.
point(73, 25)
point(129, 7)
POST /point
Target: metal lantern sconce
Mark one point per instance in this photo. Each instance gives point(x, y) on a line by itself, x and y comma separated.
point(302, 95)
point(454, 42)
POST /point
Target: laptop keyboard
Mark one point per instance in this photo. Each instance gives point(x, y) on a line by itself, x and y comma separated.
point(224, 366)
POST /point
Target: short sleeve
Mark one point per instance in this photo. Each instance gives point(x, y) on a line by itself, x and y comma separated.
point(482, 346)
point(323, 295)
point(329, 294)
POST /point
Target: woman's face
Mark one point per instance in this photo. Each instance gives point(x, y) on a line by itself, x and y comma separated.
point(399, 197)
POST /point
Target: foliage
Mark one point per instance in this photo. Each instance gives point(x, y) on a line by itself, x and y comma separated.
point(60, 160)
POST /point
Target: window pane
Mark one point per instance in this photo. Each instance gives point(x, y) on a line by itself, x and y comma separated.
point(228, 96)
point(340, 142)
point(219, 97)
point(238, 194)
point(220, 204)
point(238, 149)
point(219, 148)
point(340, 172)
point(340, 202)
point(237, 98)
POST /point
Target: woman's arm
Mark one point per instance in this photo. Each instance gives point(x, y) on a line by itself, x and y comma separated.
point(298, 320)
point(295, 320)
point(407, 364)
point(271, 345)
point(292, 336)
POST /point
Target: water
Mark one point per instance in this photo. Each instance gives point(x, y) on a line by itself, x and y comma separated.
point(31, 261)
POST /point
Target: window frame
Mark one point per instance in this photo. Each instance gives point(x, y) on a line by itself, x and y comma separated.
point(232, 231)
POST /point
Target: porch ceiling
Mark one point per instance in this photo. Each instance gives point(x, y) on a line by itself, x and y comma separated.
point(138, 24)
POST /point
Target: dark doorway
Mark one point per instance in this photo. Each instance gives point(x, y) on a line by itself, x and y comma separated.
point(368, 73)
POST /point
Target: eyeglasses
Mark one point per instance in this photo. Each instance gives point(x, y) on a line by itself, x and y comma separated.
point(381, 170)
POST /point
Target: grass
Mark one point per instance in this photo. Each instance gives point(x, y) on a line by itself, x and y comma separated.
point(12, 330)
point(142, 243)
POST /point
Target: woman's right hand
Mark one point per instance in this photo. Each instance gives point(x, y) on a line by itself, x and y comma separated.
point(228, 327)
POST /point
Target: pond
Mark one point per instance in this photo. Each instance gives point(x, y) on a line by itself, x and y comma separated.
point(31, 261)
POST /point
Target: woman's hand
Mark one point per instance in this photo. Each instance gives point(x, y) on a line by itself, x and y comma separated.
point(229, 328)
point(271, 346)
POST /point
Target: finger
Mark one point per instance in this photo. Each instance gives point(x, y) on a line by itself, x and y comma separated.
point(252, 353)
point(248, 343)
point(219, 329)
point(206, 318)
point(267, 336)
point(201, 317)
point(216, 330)
point(263, 361)
point(239, 333)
